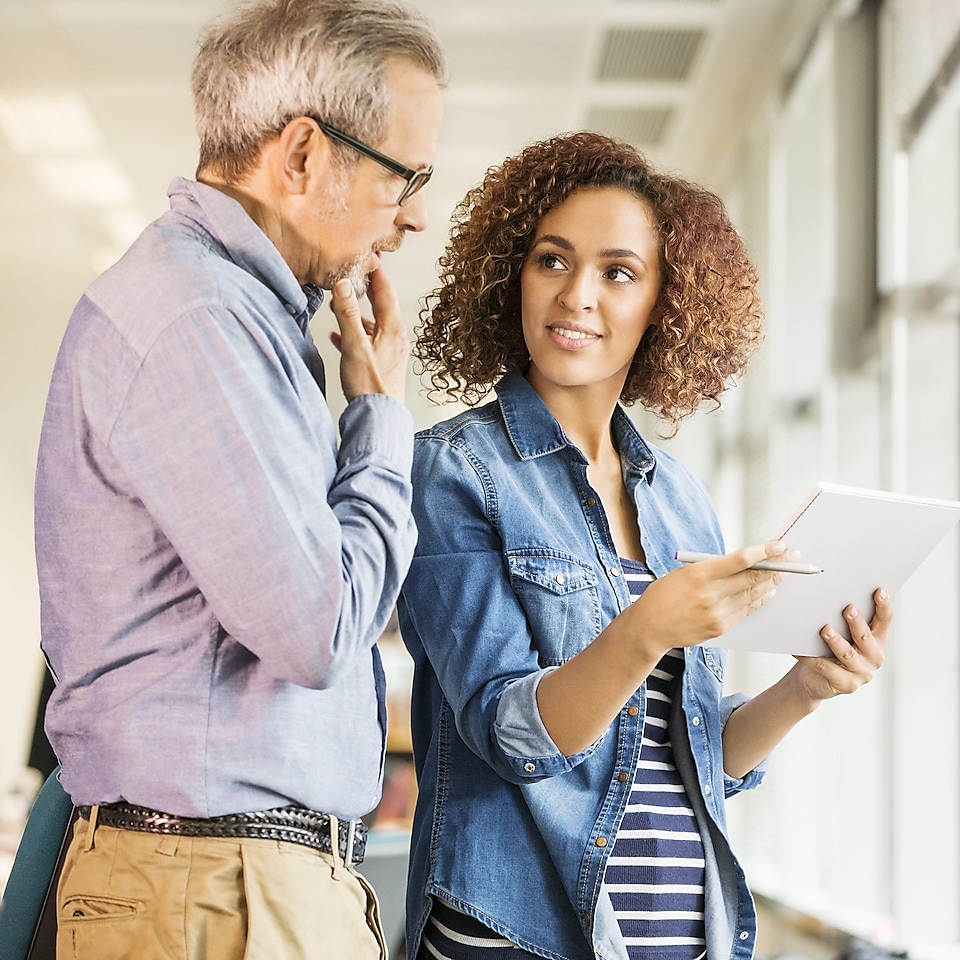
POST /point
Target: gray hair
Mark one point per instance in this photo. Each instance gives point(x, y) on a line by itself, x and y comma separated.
point(268, 61)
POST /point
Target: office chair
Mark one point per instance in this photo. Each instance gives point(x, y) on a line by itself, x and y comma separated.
point(28, 913)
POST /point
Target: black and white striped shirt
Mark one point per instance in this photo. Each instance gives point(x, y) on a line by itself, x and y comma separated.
point(655, 874)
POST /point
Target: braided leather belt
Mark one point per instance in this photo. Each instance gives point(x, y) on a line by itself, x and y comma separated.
point(293, 824)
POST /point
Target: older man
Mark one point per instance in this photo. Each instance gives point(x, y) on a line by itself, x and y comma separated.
point(215, 568)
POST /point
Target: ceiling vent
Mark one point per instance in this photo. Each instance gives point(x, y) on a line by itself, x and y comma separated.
point(644, 54)
point(640, 126)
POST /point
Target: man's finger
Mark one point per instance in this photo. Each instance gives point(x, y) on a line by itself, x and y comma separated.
point(346, 309)
point(384, 301)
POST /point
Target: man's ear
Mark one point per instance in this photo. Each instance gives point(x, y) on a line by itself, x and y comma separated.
point(303, 153)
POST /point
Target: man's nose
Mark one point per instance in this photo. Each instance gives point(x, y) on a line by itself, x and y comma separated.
point(414, 214)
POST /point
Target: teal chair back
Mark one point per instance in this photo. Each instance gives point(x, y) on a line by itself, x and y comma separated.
point(28, 918)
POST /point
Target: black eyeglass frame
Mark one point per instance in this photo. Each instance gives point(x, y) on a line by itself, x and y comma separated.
point(416, 179)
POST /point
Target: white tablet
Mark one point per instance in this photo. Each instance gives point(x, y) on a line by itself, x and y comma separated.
point(863, 539)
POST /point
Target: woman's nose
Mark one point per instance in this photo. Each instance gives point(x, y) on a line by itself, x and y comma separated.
point(580, 293)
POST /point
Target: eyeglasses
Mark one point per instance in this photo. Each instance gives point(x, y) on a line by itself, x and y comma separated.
point(416, 179)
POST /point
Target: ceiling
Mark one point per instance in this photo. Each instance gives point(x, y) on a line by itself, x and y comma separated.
point(95, 119)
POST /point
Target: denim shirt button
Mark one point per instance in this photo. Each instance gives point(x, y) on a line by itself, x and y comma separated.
point(744, 935)
point(586, 917)
point(707, 789)
point(633, 711)
point(561, 579)
point(696, 721)
point(591, 501)
point(529, 767)
point(614, 572)
point(601, 841)
point(623, 777)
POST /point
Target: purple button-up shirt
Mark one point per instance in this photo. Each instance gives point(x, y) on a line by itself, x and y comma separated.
point(214, 568)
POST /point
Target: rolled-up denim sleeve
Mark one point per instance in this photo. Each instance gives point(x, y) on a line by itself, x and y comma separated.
point(527, 746)
point(462, 620)
point(735, 785)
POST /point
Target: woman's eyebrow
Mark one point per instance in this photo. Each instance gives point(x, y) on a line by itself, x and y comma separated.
point(554, 239)
point(620, 253)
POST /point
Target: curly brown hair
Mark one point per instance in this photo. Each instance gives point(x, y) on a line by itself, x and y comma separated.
point(708, 318)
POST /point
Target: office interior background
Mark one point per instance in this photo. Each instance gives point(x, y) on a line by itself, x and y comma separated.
point(831, 128)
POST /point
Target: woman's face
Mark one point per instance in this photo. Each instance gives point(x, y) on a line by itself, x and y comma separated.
point(588, 288)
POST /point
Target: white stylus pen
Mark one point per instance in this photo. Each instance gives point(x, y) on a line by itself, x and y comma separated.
point(781, 566)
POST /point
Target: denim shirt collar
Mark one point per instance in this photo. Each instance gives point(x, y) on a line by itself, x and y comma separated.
point(535, 432)
point(245, 243)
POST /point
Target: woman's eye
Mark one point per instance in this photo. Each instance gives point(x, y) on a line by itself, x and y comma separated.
point(551, 261)
point(619, 274)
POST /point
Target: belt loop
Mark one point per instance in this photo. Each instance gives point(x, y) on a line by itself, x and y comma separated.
point(351, 831)
point(91, 827)
point(335, 846)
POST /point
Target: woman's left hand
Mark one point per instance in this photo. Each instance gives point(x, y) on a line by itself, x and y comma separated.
point(855, 661)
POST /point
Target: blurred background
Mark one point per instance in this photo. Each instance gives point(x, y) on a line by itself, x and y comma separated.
point(831, 128)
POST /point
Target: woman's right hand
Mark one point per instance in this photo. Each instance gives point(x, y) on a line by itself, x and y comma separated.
point(703, 600)
point(689, 605)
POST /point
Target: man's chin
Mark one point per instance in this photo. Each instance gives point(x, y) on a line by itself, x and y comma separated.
point(360, 280)
point(356, 273)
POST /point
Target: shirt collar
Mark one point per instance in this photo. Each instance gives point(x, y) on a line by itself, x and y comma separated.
point(535, 432)
point(245, 243)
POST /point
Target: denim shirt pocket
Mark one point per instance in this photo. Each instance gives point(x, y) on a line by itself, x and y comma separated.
point(561, 599)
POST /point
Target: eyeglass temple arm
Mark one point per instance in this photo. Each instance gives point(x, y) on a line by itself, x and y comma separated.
point(361, 147)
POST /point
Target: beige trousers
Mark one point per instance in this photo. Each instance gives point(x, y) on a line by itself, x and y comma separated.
point(125, 894)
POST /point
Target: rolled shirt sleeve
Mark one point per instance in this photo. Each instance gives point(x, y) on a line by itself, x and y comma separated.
point(477, 640)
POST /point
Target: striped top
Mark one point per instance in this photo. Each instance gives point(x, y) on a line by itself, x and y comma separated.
point(655, 873)
point(452, 935)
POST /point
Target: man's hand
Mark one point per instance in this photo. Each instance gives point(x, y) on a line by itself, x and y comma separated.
point(373, 353)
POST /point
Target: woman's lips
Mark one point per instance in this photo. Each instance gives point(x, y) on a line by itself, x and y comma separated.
point(571, 338)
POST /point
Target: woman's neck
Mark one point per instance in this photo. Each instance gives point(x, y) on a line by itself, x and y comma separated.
point(584, 413)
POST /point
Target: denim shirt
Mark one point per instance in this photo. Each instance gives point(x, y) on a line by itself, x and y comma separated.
point(514, 573)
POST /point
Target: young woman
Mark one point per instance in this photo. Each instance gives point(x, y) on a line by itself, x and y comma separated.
point(573, 745)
